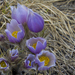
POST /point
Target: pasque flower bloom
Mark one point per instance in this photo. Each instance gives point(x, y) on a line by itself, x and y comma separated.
point(35, 22)
point(20, 13)
point(15, 32)
point(3, 64)
point(30, 62)
point(45, 60)
point(13, 54)
point(35, 45)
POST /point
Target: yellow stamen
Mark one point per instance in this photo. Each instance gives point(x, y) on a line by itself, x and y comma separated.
point(45, 59)
point(14, 34)
point(3, 64)
point(34, 45)
point(30, 63)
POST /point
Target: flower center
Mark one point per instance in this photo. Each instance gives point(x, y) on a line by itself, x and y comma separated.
point(30, 63)
point(34, 45)
point(14, 34)
point(3, 64)
point(45, 59)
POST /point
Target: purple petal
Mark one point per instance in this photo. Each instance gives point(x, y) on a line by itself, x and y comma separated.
point(12, 8)
point(38, 61)
point(32, 49)
point(24, 11)
point(31, 41)
point(11, 38)
point(14, 14)
point(30, 58)
point(21, 28)
point(43, 41)
point(9, 28)
point(20, 14)
point(51, 56)
point(27, 64)
point(21, 33)
point(41, 44)
point(14, 54)
point(14, 25)
point(35, 22)
point(39, 47)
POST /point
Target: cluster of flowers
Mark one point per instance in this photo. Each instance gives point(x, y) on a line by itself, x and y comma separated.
point(16, 32)
point(44, 59)
point(4, 64)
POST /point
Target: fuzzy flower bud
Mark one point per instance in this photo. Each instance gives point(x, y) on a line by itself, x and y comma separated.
point(29, 62)
point(35, 22)
point(13, 54)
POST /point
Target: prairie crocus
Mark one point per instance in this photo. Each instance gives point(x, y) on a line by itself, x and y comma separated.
point(3, 64)
point(35, 45)
point(15, 32)
point(45, 60)
point(20, 13)
point(30, 62)
point(35, 22)
point(13, 54)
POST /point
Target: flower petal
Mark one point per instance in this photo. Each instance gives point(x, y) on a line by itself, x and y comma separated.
point(21, 34)
point(51, 57)
point(39, 47)
point(12, 27)
point(40, 44)
point(13, 54)
point(9, 28)
point(9, 36)
point(35, 22)
point(30, 60)
point(20, 14)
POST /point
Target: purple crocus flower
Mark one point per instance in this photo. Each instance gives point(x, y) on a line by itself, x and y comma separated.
point(29, 63)
point(3, 64)
point(35, 45)
point(13, 54)
point(35, 22)
point(15, 32)
point(45, 60)
point(20, 13)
